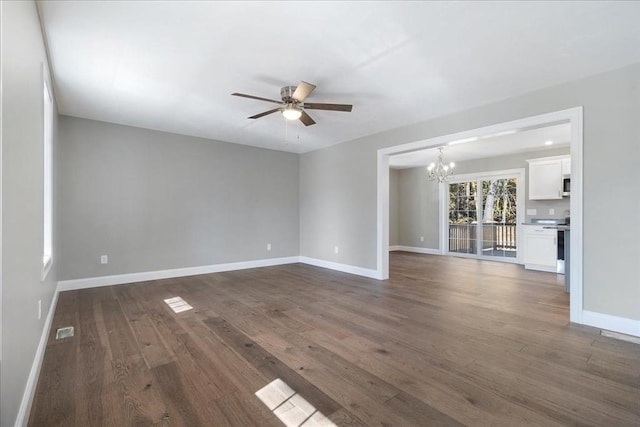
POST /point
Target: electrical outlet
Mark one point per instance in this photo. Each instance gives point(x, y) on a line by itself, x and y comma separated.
point(532, 212)
point(552, 211)
point(104, 259)
point(39, 309)
point(422, 238)
point(336, 249)
point(268, 246)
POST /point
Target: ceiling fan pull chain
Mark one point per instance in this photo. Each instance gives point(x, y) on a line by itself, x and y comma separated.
point(286, 132)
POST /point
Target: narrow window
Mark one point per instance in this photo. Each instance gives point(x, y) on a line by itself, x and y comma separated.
point(47, 218)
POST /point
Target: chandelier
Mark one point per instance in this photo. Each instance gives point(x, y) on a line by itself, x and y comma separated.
point(440, 172)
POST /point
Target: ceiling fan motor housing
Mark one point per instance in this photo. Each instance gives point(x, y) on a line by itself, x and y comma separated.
point(292, 107)
point(286, 93)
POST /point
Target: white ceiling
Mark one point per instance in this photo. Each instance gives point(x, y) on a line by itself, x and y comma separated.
point(521, 141)
point(172, 65)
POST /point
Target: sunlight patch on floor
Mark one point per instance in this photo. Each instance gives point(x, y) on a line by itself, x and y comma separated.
point(177, 304)
point(291, 408)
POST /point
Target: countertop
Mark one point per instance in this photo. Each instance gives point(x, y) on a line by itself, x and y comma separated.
point(564, 227)
point(549, 223)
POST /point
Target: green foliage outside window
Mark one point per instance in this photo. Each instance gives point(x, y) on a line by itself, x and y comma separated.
point(498, 202)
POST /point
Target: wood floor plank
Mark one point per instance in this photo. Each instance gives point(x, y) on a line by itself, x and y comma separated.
point(140, 401)
point(154, 350)
point(119, 333)
point(417, 412)
point(179, 395)
point(270, 366)
point(137, 394)
point(445, 341)
point(422, 377)
point(189, 351)
point(238, 411)
point(90, 381)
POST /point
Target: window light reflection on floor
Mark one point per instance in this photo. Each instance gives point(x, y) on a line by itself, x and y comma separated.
point(291, 408)
point(177, 304)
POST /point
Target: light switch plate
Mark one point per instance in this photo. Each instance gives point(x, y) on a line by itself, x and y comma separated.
point(532, 212)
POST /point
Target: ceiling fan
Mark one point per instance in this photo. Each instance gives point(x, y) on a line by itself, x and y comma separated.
point(292, 105)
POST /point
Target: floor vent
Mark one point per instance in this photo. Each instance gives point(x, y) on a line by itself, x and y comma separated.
point(66, 332)
point(619, 336)
point(177, 304)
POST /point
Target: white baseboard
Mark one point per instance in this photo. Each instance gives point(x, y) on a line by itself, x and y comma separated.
point(32, 381)
point(415, 249)
point(611, 323)
point(537, 267)
point(119, 279)
point(345, 268)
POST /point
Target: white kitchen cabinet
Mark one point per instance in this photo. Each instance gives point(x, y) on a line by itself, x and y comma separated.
point(566, 167)
point(540, 248)
point(545, 177)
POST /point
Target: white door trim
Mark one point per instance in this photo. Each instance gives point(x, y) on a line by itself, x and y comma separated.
point(572, 115)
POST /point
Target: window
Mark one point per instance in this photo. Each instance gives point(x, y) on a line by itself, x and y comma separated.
point(47, 180)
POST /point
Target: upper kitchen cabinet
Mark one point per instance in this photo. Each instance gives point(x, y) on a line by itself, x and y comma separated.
point(566, 166)
point(545, 177)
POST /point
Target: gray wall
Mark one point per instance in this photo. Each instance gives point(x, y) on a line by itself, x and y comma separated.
point(418, 202)
point(394, 204)
point(418, 209)
point(153, 200)
point(338, 204)
point(22, 131)
point(339, 183)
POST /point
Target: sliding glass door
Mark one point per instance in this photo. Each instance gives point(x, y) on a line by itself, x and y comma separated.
point(463, 217)
point(499, 219)
point(483, 216)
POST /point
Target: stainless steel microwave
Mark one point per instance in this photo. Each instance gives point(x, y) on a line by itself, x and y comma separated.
point(566, 186)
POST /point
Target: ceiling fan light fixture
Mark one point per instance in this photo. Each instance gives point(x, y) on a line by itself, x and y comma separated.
point(291, 105)
point(291, 112)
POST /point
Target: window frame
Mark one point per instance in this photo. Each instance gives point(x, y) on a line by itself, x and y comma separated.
point(47, 180)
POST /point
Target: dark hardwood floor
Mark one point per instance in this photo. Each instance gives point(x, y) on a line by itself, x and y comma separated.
point(446, 341)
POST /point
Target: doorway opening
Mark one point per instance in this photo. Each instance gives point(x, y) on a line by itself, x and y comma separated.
point(573, 116)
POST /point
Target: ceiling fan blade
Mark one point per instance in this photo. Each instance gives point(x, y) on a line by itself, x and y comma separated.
point(302, 91)
point(266, 113)
point(306, 119)
point(256, 97)
point(332, 107)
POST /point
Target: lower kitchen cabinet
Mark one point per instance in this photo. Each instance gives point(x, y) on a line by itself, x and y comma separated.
point(540, 248)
